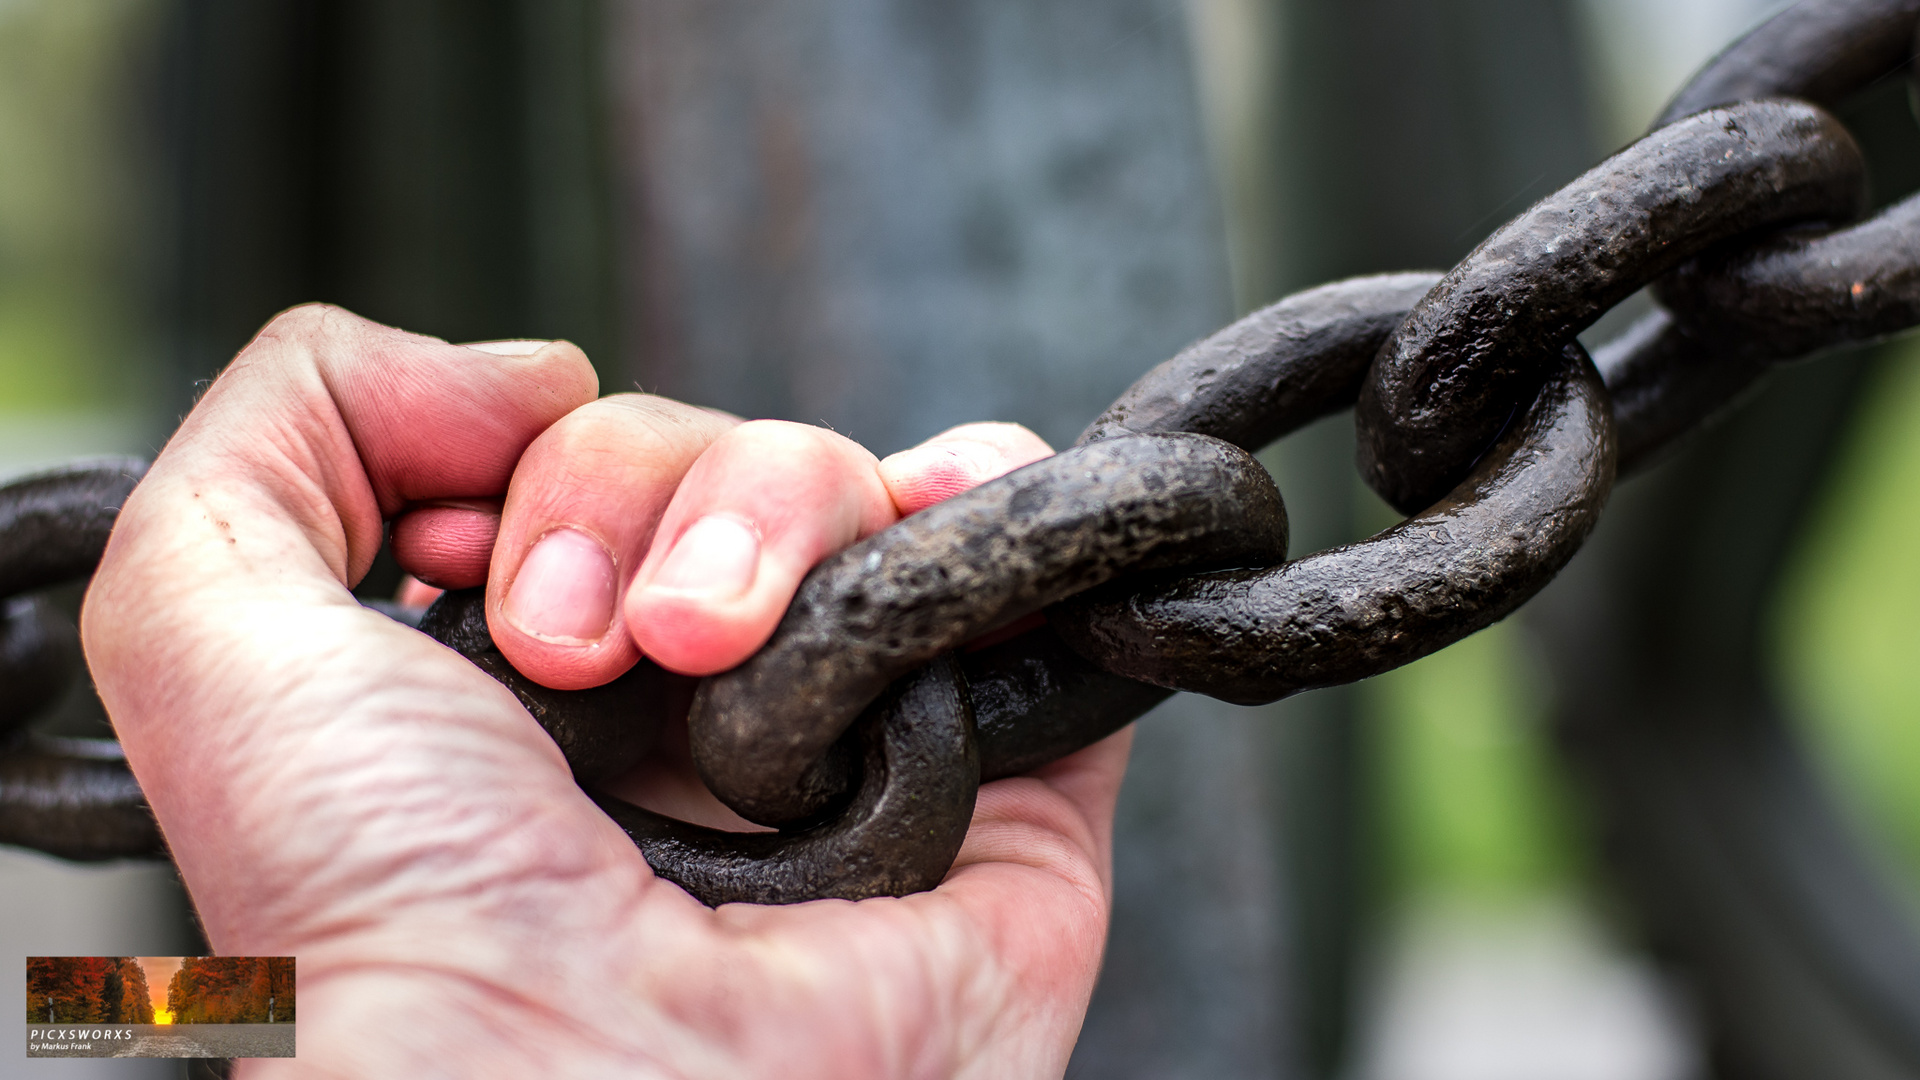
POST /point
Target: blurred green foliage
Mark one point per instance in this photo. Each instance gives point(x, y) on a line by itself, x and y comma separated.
point(1471, 803)
point(1848, 617)
point(73, 223)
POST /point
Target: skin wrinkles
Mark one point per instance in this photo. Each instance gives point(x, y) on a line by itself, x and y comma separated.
point(395, 805)
point(414, 839)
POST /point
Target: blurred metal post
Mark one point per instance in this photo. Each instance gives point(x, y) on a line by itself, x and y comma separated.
point(439, 165)
point(433, 164)
point(891, 216)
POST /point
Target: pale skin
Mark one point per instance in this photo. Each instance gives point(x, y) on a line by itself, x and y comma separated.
point(340, 788)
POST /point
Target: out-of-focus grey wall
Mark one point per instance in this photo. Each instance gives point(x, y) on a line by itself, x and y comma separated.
point(893, 216)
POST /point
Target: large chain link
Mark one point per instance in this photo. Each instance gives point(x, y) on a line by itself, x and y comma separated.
point(69, 797)
point(1156, 546)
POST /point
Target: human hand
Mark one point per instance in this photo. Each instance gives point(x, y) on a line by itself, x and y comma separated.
point(340, 788)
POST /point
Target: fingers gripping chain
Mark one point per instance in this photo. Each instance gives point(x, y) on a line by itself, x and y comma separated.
point(919, 768)
point(949, 573)
point(1156, 545)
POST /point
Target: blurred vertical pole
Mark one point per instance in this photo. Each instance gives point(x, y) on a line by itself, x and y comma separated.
point(567, 154)
point(240, 115)
point(1401, 132)
point(439, 165)
point(434, 164)
point(424, 162)
point(1311, 760)
point(896, 215)
point(892, 216)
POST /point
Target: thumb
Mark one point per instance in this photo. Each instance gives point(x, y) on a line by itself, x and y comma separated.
point(224, 642)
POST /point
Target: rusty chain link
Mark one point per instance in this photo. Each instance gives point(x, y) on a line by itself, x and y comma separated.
point(69, 797)
point(1157, 545)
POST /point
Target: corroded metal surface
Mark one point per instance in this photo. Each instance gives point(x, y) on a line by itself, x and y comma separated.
point(1273, 371)
point(1737, 314)
point(1474, 350)
point(867, 615)
point(917, 770)
point(1803, 291)
point(1035, 700)
point(69, 797)
point(1741, 310)
point(601, 732)
point(1334, 617)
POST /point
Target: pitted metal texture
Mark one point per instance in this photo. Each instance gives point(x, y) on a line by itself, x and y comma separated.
point(916, 772)
point(602, 731)
point(1273, 371)
point(70, 797)
point(1745, 308)
point(1476, 348)
point(1338, 616)
point(762, 733)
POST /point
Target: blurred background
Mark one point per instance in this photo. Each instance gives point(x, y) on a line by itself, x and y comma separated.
point(1659, 826)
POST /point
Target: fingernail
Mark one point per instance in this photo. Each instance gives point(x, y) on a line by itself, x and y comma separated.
point(717, 555)
point(565, 589)
point(508, 348)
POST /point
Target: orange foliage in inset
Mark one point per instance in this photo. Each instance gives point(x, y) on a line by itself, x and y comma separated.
point(232, 990)
point(87, 990)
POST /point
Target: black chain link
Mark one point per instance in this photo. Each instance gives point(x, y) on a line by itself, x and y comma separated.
point(1156, 545)
point(69, 797)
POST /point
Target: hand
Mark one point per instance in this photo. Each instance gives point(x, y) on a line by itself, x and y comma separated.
point(340, 788)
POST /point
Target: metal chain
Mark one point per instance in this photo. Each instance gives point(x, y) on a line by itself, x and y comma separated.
point(69, 797)
point(1156, 546)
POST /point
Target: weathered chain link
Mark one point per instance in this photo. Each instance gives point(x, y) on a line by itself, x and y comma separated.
point(762, 734)
point(1475, 348)
point(70, 797)
point(1157, 545)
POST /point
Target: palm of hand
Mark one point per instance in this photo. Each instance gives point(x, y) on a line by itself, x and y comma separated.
point(338, 787)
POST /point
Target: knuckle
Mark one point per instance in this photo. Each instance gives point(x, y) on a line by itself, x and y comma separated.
point(785, 442)
point(303, 326)
point(303, 319)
